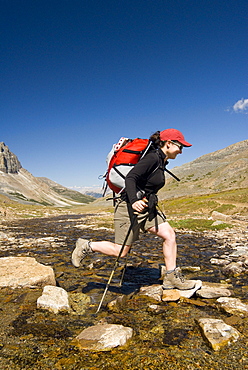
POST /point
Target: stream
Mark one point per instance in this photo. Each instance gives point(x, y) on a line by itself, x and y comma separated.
point(32, 338)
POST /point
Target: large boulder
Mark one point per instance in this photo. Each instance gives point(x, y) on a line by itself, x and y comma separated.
point(20, 272)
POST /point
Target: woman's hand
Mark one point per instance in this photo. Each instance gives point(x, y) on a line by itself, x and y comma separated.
point(140, 205)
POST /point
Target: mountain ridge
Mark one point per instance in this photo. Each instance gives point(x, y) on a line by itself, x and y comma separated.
point(20, 185)
point(224, 169)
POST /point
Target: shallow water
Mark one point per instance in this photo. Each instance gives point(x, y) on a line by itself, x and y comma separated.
point(170, 339)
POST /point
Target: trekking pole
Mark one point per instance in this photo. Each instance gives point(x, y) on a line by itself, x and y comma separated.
point(115, 266)
point(124, 269)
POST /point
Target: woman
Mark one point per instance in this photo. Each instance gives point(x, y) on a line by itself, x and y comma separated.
point(138, 205)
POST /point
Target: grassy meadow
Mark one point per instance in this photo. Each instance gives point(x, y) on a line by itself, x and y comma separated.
point(191, 212)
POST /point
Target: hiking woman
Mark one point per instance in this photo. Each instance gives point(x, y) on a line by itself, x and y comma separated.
point(137, 204)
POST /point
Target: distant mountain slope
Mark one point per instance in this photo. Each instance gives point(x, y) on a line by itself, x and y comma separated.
point(18, 184)
point(218, 171)
point(67, 193)
point(93, 191)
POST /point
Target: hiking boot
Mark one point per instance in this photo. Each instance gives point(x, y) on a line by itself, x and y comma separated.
point(80, 252)
point(175, 280)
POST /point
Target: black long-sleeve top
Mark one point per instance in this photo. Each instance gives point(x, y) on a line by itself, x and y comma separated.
point(147, 175)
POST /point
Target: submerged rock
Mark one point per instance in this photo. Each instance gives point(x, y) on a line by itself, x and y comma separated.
point(53, 299)
point(119, 302)
point(103, 337)
point(217, 333)
point(190, 268)
point(234, 268)
point(78, 303)
point(20, 272)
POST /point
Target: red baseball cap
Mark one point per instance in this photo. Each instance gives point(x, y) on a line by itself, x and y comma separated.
point(173, 134)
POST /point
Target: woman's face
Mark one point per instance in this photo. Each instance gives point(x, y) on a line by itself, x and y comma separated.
point(172, 149)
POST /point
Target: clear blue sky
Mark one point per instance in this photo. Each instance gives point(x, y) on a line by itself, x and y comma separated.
point(77, 75)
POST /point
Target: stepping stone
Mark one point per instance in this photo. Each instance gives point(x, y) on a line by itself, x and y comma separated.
point(103, 337)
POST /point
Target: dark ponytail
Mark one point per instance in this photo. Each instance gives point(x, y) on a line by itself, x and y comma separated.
point(155, 138)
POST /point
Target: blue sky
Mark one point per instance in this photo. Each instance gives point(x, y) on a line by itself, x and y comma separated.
point(76, 75)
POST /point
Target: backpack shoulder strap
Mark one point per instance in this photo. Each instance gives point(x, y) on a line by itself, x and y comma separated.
point(165, 169)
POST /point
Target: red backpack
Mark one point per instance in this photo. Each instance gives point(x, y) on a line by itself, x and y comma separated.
point(122, 158)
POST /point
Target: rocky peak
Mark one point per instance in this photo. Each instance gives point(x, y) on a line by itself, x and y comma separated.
point(9, 162)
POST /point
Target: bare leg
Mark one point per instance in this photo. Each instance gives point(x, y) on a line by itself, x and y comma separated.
point(173, 277)
point(166, 232)
point(109, 248)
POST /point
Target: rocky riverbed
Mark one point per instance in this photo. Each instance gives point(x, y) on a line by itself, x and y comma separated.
point(166, 333)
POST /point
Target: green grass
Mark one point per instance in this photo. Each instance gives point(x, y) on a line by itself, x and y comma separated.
point(73, 195)
point(228, 202)
point(22, 197)
point(187, 210)
point(198, 224)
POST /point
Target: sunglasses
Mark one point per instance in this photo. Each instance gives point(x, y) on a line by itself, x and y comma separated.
point(180, 146)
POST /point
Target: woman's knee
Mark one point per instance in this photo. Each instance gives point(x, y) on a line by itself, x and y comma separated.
point(165, 231)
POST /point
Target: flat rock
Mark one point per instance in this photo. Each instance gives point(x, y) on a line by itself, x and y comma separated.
point(233, 306)
point(171, 295)
point(153, 291)
point(213, 290)
point(103, 337)
point(190, 292)
point(53, 299)
point(159, 294)
point(245, 261)
point(19, 272)
point(217, 333)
